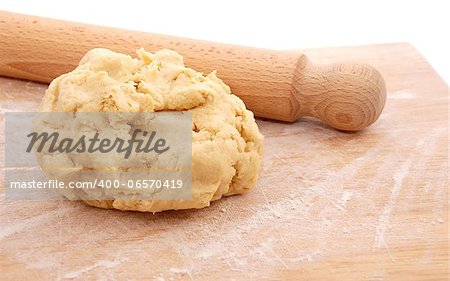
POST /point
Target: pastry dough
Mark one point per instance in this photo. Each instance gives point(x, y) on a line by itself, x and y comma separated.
point(226, 143)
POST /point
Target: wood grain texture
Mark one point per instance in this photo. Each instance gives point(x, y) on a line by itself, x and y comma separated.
point(371, 205)
point(278, 85)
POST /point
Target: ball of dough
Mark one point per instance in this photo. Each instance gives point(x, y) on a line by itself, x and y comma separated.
point(226, 143)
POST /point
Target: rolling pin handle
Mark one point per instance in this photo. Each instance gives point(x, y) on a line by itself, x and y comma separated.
point(346, 96)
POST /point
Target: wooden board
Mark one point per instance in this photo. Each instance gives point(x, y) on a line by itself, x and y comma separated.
point(371, 205)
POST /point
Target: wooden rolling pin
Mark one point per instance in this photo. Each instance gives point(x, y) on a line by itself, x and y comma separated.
point(281, 85)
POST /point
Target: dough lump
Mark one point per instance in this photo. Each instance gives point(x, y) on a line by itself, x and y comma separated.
point(226, 143)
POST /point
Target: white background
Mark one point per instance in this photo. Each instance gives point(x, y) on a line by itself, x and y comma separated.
point(282, 24)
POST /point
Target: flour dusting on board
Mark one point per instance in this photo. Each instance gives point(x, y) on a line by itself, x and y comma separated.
point(102, 263)
point(346, 196)
point(401, 95)
point(384, 218)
